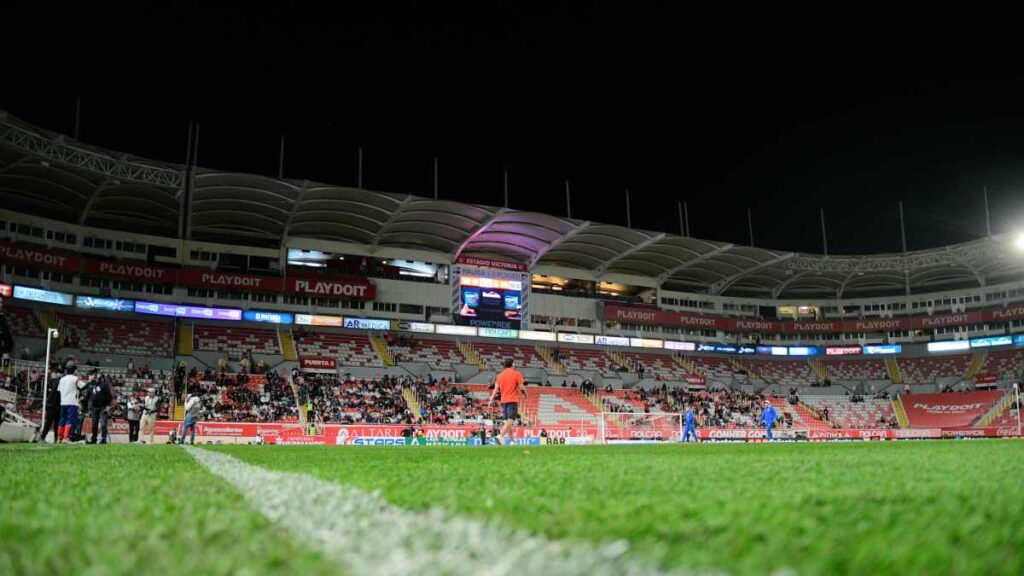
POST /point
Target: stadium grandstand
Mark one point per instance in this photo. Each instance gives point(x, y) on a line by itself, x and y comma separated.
point(300, 303)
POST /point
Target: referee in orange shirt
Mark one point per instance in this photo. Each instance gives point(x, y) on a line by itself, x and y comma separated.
point(510, 384)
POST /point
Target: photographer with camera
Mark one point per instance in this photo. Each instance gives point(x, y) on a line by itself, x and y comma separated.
point(150, 406)
point(133, 411)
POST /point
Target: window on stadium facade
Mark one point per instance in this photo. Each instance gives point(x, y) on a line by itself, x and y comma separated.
point(410, 309)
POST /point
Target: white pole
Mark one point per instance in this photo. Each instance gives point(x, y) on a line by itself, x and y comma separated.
point(46, 370)
point(1016, 389)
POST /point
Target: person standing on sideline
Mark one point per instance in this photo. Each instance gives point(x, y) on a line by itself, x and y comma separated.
point(768, 416)
point(690, 429)
point(510, 384)
point(133, 411)
point(68, 388)
point(150, 406)
point(99, 409)
point(52, 408)
point(192, 405)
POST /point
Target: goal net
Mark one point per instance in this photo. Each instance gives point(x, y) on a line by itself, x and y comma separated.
point(639, 427)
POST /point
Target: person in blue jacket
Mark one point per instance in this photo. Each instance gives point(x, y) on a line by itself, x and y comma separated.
point(690, 429)
point(768, 417)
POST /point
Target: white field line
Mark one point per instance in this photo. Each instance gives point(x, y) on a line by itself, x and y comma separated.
point(367, 535)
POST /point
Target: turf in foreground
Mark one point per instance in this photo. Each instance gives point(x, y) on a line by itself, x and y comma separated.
point(132, 510)
point(904, 508)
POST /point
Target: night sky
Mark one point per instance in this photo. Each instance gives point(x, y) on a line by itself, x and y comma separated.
point(782, 112)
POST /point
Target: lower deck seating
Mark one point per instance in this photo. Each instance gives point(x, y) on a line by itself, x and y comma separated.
point(871, 413)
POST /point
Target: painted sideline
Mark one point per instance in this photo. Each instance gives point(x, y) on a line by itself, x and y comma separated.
point(368, 535)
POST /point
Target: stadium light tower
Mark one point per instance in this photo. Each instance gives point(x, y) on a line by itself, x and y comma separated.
point(51, 335)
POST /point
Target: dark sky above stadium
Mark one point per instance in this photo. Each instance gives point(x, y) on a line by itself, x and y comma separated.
point(782, 111)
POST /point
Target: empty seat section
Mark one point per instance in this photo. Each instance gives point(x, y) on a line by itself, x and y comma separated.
point(348, 349)
point(107, 335)
point(233, 340)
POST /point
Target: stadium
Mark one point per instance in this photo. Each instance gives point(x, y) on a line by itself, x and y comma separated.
point(300, 313)
point(559, 288)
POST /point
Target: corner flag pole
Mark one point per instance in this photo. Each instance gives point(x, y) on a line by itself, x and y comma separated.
point(1016, 389)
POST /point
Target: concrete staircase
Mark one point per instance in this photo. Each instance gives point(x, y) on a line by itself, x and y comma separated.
point(185, 339)
point(617, 357)
point(412, 402)
point(996, 410)
point(901, 415)
point(471, 356)
point(893, 368)
point(751, 373)
point(287, 342)
point(818, 368)
point(49, 320)
point(382, 350)
point(545, 353)
point(684, 363)
point(976, 363)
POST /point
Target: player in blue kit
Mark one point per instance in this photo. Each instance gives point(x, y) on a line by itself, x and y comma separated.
point(690, 429)
point(768, 416)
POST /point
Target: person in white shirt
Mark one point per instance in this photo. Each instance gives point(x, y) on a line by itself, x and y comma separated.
point(150, 406)
point(192, 407)
point(68, 387)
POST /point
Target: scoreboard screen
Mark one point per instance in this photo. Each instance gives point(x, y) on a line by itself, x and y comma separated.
point(490, 303)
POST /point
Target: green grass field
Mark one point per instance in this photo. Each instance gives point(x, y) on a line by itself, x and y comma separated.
point(952, 507)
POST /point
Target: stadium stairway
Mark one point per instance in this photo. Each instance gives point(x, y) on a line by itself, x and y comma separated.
point(819, 369)
point(976, 363)
point(185, 339)
point(803, 416)
point(49, 320)
point(303, 416)
point(893, 368)
point(739, 366)
point(287, 343)
point(381, 349)
point(620, 360)
point(901, 415)
point(997, 409)
point(550, 360)
point(412, 401)
point(684, 363)
point(467, 350)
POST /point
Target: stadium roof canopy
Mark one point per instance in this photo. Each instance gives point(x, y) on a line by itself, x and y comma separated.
point(47, 174)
